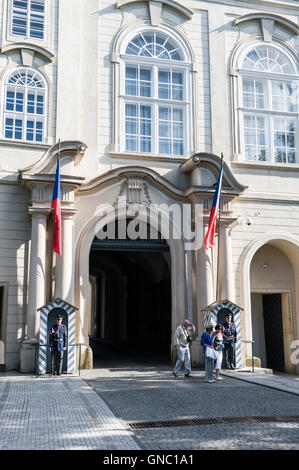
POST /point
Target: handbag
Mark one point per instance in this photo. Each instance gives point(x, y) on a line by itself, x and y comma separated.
point(211, 353)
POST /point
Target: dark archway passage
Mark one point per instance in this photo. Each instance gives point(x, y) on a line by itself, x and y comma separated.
point(131, 298)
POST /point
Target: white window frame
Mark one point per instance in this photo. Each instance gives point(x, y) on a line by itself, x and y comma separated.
point(156, 64)
point(24, 115)
point(27, 37)
point(268, 112)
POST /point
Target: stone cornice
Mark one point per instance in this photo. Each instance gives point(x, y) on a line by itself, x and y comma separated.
point(282, 5)
point(290, 25)
point(68, 148)
point(193, 194)
point(31, 48)
point(170, 3)
point(213, 163)
point(32, 180)
point(119, 174)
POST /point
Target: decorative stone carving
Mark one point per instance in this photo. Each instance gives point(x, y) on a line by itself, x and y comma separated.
point(137, 190)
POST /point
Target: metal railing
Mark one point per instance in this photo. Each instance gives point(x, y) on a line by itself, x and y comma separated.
point(39, 345)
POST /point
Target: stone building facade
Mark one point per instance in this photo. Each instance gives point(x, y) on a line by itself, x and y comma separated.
point(145, 96)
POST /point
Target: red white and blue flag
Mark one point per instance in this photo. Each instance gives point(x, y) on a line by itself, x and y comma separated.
point(56, 205)
point(210, 236)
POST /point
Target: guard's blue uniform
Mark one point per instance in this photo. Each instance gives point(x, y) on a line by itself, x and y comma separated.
point(58, 344)
point(229, 331)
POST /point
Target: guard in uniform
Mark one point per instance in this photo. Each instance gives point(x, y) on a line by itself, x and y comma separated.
point(229, 337)
point(58, 343)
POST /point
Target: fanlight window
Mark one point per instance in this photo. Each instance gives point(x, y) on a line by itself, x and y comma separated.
point(155, 95)
point(25, 106)
point(268, 59)
point(269, 106)
point(155, 45)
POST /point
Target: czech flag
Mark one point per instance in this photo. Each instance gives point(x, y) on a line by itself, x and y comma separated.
point(210, 236)
point(56, 205)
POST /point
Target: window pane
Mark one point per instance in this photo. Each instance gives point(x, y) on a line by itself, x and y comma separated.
point(178, 114)
point(131, 81)
point(178, 130)
point(145, 82)
point(40, 104)
point(131, 125)
point(284, 96)
point(253, 93)
point(131, 110)
point(165, 146)
point(10, 99)
point(145, 144)
point(9, 128)
point(39, 132)
point(131, 143)
point(164, 129)
point(255, 138)
point(145, 74)
point(164, 85)
point(145, 127)
point(30, 103)
point(177, 92)
point(164, 113)
point(178, 148)
point(284, 139)
point(138, 128)
point(171, 131)
point(291, 156)
point(18, 129)
point(29, 133)
point(145, 111)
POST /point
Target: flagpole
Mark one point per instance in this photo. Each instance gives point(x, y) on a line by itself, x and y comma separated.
point(54, 254)
point(219, 233)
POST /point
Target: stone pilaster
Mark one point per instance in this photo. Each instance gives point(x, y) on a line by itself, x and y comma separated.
point(36, 287)
point(64, 275)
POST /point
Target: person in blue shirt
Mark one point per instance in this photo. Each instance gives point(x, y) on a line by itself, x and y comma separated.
point(206, 342)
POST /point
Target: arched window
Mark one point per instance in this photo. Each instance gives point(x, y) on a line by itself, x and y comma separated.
point(25, 106)
point(28, 18)
point(269, 105)
point(155, 95)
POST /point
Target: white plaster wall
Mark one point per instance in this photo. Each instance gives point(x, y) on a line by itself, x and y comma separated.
point(266, 217)
point(14, 242)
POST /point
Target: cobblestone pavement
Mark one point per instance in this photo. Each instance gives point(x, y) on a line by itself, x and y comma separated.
point(57, 413)
point(93, 412)
point(138, 393)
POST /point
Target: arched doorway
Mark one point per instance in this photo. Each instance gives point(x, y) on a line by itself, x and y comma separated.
point(130, 284)
point(273, 293)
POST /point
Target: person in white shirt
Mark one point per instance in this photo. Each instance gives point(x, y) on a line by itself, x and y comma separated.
point(182, 339)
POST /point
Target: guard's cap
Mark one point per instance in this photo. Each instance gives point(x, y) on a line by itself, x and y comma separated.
point(59, 317)
point(228, 315)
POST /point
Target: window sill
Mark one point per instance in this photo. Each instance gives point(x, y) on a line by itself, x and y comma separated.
point(149, 156)
point(266, 165)
point(23, 144)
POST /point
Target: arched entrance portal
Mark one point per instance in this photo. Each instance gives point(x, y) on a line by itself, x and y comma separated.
point(130, 284)
point(272, 294)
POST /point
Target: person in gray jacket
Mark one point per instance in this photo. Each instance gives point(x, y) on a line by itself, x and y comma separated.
point(182, 339)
